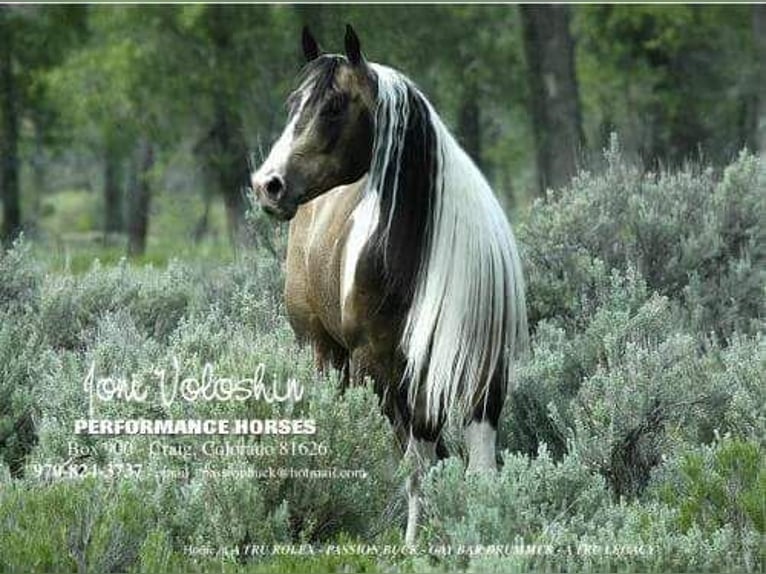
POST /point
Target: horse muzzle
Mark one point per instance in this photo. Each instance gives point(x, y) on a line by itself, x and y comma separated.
point(271, 194)
point(279, 213)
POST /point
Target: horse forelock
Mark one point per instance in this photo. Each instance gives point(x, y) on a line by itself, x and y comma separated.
point(447, 250)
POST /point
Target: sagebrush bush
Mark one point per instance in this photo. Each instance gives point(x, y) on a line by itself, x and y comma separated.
point(21, 277)
point(82, 526)
point(634, 438)
point(529, 496)
point(700, 515)
point(155, 299)
point(717, 485)
point(642, 342)
point(694, 237)
point(23, 361)
point(124, 321)
point(632, 385)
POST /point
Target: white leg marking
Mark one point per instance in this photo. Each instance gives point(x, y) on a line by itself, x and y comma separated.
point(480, 440)
point(420, 455)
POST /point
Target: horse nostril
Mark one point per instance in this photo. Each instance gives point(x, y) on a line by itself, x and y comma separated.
point(274, 186)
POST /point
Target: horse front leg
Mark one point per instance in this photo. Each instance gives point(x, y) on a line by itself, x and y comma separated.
point(419, 457)
point(418, 439)
point(328, 354)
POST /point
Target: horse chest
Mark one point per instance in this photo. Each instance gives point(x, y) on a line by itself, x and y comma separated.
point(314, 274)
point(333, 285)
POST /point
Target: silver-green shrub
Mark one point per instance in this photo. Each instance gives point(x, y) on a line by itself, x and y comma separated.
point(634, 439)
point(646, 296)
point(695, 236)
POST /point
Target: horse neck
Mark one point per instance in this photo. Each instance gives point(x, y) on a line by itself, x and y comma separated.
point(407, 163)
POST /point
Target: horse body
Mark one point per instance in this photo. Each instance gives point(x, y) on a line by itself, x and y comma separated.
point(401, 265)
point(334, 297)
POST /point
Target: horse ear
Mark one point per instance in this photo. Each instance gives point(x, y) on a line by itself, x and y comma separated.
point(353, 47)
point(311, 49)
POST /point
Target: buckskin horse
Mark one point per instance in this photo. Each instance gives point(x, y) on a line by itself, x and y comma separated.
point(401, 265)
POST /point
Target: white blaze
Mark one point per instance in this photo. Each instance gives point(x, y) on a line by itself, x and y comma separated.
point(276, 162)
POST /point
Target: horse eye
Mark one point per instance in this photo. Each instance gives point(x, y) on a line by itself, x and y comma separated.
point(336, 105)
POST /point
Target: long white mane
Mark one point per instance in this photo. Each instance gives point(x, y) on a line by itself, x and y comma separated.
point(468, 314)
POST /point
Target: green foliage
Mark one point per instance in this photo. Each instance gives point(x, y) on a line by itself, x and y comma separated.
point(675, 81)
point(79, 526)
point(721, 485)
point(72, 305)
point(22, 359)
point(550, 516)
point(21, 278)
point(638, 287)
point(647, 349)
point(632, 368)
point(71, 211)
point(126, 320)
point(693, 237)
point(23, 356)
point(527, 497)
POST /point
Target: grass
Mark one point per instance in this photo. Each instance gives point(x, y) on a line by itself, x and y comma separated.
point(68, 237)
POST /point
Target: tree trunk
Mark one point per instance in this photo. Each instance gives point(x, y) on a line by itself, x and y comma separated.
point(38, 165)
point(759, 35)
point(230, 164)
point(229, 148)
point(9, 135)
point(555, 102)
point(112, 191)
point(469, 125)
point(139, 196)
point(201, 228)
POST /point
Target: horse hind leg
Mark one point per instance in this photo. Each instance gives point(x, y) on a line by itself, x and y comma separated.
point(481, 431)
point(480, 438)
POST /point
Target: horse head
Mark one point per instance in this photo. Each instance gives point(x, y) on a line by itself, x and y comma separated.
point(328, 139)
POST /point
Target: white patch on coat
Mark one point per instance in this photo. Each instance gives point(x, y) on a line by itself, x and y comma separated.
point(364, 221)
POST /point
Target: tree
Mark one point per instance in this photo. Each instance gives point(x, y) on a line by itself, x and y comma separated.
point(673, 81)
point(553, 92)
point(9, 136)
point(759, 35)
point(230, 57)
point(33, 39)
point(473, 75)
point(115, 92)
point(139, 196)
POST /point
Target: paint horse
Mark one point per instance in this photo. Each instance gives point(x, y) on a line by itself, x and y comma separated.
point(401, 266)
